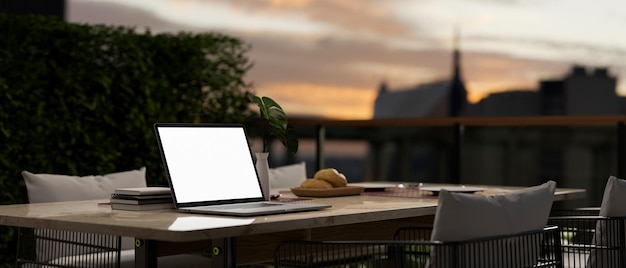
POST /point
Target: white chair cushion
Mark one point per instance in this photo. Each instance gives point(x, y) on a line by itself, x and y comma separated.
point(613, 205)
point(55, 188)
point(614, 198)
point(465, 216)
point(462, 216)
point(127, 260)
point(100, 259)
point(287, 176)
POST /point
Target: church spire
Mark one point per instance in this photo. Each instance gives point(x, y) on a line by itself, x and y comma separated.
point(456, 54)
point(458, 94)
point(383, 88)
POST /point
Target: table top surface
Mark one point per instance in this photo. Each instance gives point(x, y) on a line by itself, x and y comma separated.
point(169, 225)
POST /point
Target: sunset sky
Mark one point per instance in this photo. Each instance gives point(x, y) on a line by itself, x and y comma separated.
point(328, 57)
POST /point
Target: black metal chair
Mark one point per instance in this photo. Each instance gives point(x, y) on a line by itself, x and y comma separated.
point(54, 248)
point(590, 240)
point(412, 248)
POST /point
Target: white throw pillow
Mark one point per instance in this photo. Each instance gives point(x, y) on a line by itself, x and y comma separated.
point(462, 216)
point(614, 198)
point(287, 176)
point(613, 205)
point(55, 188)
point(466, 216)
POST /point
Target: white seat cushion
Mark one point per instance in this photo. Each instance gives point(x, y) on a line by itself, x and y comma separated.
point(466, 216)
point(613, 205)
point(462, 216)
point(287, 176)
point(614, 198)
point(127, 260)
point(56, 188)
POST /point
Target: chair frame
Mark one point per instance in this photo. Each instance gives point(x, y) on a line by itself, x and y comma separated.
point(417, 253)
point(79, 249)
point(578, 229)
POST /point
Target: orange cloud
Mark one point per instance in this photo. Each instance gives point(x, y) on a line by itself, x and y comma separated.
point(322, 100)
point(487, 73)
point(290, 3)
point(478, 90)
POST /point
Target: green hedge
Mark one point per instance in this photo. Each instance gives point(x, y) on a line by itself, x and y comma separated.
point(80, 99)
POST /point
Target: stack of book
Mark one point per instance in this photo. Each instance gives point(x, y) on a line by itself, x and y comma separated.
point(143, 198)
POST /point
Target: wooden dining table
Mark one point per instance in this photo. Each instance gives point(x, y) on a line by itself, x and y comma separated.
point(236, 241)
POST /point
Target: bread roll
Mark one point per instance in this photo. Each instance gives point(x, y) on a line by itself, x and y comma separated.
point(331, 176)
point(315, 183)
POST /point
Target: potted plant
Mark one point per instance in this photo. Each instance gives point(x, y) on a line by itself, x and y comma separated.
point(274, 125)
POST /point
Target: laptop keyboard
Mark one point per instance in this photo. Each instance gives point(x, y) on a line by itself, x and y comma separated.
point(245, 206)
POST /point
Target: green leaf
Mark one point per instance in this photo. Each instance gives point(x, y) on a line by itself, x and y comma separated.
point(277, 123)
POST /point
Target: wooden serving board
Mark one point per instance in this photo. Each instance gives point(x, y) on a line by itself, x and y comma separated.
point(333, 192)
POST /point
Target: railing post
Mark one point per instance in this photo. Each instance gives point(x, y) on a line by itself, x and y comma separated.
point(320, 136)
point(621, 150)
point(455, 168)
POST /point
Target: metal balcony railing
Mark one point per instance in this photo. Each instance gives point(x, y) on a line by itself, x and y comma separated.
point(457, 140)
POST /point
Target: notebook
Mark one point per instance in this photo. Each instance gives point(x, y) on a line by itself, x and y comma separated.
point(210, 169)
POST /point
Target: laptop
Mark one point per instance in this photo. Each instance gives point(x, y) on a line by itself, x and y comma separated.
point(210, 170)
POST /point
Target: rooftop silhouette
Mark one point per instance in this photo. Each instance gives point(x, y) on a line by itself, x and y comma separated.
point(583, 91)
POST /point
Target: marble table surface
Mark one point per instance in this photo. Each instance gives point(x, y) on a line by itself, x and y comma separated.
point(169, 225)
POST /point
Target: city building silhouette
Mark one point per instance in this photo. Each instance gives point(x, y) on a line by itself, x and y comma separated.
point(580, 157)
point(439, 98)
point(582, 91)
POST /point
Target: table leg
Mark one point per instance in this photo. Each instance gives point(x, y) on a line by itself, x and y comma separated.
point(145, 254)
point(224, 253)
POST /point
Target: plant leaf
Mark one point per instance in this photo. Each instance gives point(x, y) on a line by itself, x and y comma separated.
point(277, 121)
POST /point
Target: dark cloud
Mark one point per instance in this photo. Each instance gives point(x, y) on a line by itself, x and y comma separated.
point(114, 14)
point(500, 2)
point(483, 67)
point(283, 58)
point(552, 45)
point(331, 61)
point(371, 16)
point(328, 62)
point(123, 15)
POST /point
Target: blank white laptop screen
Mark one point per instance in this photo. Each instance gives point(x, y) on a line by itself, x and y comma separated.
point(209, 163)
